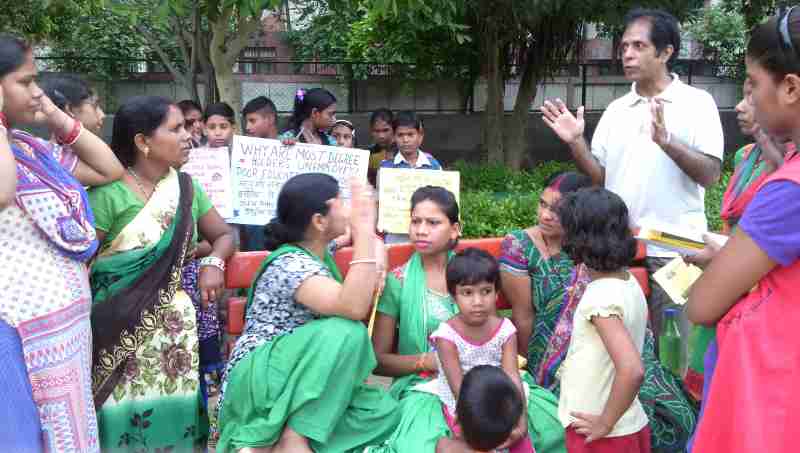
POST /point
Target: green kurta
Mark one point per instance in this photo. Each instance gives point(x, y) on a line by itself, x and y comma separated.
point(418, 312)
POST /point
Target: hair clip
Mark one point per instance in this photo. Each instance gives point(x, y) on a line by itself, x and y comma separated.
point(300, 94)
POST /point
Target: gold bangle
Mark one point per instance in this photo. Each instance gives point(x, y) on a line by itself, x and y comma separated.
point(364, 261)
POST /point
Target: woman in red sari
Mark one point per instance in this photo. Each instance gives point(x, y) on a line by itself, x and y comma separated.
point(748, 289)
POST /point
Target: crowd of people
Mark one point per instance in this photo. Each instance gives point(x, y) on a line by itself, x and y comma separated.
point(116, 259)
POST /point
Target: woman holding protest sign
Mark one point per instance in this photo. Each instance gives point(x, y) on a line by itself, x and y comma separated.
point(144, 324)
point(294, 382)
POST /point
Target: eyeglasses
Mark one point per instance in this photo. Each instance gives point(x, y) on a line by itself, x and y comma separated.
point(783, 32)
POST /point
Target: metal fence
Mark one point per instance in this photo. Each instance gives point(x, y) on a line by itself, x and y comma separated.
point(365, 86)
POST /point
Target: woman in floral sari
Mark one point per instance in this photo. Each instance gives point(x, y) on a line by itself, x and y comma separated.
point(535, 271)
point(46, 237)
point(414, 303)
point(145, 379)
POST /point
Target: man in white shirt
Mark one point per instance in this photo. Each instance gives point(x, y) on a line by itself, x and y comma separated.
point(658, 147)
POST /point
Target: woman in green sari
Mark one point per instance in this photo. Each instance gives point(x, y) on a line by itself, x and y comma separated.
point(144, 379)
point(295, 379)
point(544, 287)
point(535, 271)
point(414, 302)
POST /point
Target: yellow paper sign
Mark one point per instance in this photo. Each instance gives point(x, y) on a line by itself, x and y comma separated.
point(397, 185)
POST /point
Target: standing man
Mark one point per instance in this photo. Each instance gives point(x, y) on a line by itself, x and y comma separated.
point(658, 147)
point(260, 118)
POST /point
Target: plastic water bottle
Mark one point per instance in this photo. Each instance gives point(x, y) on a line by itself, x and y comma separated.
point(670, 349)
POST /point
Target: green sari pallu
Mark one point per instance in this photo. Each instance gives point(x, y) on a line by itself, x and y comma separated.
point(144, 377)
point(312, 380)
point(422, 421)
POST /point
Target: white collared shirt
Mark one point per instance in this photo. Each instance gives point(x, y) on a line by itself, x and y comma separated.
point(422, 159)
point(640, 172)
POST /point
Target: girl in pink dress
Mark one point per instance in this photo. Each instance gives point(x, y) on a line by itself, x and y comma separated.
point(477, 336)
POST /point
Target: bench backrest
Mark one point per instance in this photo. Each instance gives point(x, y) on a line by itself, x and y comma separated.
point(242, 267)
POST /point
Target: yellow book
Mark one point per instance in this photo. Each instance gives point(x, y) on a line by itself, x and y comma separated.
point(677, 277)
point(677, 238)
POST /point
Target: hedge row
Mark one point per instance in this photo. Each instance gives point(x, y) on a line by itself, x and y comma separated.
point(496, 200)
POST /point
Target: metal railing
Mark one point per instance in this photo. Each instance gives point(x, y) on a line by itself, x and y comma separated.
point(578, 76)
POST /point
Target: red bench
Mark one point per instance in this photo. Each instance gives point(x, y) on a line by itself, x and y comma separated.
point(242, 266)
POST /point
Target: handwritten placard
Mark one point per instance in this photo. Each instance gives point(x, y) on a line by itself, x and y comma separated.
point(211, 167)
point(260, 167)
point(397, 185)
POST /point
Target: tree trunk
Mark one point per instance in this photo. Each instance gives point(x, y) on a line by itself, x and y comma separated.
point(516, 144)
point(493, 115)
point(230, 90)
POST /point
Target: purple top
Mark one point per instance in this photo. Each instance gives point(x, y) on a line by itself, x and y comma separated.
point(773, 222)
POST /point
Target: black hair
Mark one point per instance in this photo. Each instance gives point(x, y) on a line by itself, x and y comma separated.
point(664, 29)
point(262, 105)
point(407, 118)
point(187, 105)
point(13, 52)
point(439, 195)
point(489, 407)
point(568, 181)
point(306, 101)
point(344, 123)
point(300, 198)
point(470, 267)
point(771, 51)
point(66, 90)
point(138, 115)
point(443, 198)
point(385, 115)
point(597, 229)
point(221, 109)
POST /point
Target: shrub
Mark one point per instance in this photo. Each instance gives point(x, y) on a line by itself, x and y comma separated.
point(496, 200)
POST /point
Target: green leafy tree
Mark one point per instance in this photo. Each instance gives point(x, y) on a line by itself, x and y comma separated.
point(104, 46)
point(531, 40)
point(210, 36)
point(38, 20)
point(723, 34)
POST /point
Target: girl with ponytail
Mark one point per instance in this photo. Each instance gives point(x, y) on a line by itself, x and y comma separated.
point(313, 116)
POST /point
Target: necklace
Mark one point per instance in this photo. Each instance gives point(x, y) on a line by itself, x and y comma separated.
point(141, 186)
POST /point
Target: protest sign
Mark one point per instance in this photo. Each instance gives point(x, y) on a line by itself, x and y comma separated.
point(211, 167)
point(260, 167)
point(397, 185)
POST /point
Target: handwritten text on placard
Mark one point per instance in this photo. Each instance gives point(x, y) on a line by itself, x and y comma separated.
point(211, 168)
point(397, 185)
point(260, 167)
